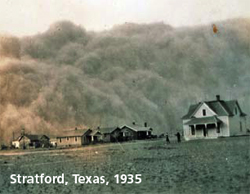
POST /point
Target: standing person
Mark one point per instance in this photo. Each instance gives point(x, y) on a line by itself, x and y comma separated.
point(167, 138)
point(178, 137)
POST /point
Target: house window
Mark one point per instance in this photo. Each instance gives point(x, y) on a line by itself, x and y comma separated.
point(60, 140)
point(125, 134)
point(204, 112)
point(218, 127)
point(67, 138)
point(211, 126)
point(192, 130)
point(75, 138)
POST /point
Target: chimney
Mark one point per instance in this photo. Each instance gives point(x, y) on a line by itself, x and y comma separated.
point(218, 97)
point(76, 128)
point(133, 123)
point(145, 124)
point(23, 131)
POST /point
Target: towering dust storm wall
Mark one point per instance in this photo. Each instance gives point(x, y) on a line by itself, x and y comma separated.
point(68, 76)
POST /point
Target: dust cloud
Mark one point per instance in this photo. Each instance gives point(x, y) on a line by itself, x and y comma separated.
point(68, 76)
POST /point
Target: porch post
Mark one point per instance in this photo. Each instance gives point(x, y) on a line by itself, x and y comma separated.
point(206, 131)
point(245, 119)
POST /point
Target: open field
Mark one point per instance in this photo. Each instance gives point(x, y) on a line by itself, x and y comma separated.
point(202, 166)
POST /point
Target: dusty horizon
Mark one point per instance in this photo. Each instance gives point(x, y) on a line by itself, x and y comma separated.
point(7, 34)
point(25, 18)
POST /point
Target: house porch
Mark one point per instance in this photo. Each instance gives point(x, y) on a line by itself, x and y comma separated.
point(205, 127)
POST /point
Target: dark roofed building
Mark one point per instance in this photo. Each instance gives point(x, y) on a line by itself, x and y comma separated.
point(110, 134)
point(134, 132)
point(212, 119)
point(31, 141)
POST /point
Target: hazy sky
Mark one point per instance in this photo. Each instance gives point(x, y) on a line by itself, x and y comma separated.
point(27, 17)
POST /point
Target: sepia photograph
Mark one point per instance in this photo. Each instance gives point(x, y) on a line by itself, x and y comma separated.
point(124, 96)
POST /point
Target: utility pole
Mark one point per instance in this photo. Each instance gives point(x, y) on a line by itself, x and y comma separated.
point(1, 136)
point(23, 133)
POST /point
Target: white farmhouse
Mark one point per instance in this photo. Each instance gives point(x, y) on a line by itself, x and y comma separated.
point(212, 119)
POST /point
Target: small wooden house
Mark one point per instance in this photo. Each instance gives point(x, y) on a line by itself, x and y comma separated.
point(135, 132)
point(110, 134)
point(31, 141)
point(212, 119)
point(96, 136)
point(74, 137)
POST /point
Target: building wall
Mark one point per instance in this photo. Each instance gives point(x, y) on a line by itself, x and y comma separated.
point(237, 125)
point(116, 135)
point(16, 144)
point(69, 141)
point(113, 137)
point(212, 133)
point(143, 134)
point(44, 140)
point(199, 133)
point(96, 138)
point(128, 134)
point(224, 126)
point(53, 142)
point(106, 137)
point(186, 130)
point(25, 142)
point(85, 139)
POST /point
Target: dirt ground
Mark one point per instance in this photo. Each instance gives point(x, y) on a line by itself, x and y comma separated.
point(202, 166)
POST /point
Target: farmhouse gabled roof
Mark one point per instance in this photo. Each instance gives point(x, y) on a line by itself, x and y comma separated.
point(36, 137)
point(231, 107)
point(106, 130)
point(138, 128)
point(191, 111)
point(95, 133)
point(220, 107)
point(32, 137)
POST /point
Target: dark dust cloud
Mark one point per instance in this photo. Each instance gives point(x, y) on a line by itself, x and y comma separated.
point(68, 76)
